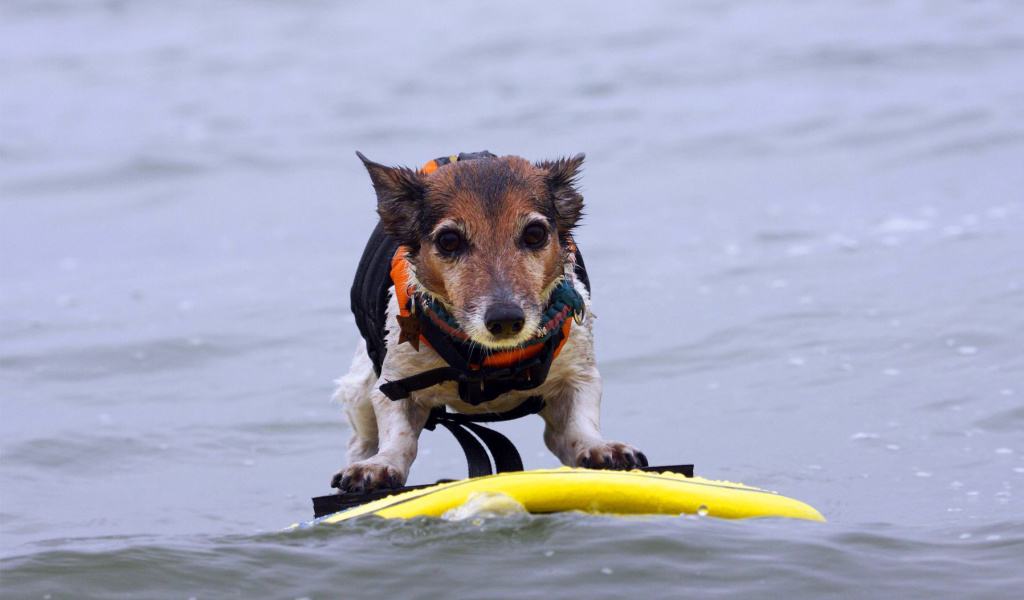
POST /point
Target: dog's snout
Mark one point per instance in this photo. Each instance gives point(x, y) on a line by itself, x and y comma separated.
point(504, 320)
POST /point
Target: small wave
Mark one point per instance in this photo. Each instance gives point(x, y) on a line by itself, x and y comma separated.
point(95, 362)
point(555, 556)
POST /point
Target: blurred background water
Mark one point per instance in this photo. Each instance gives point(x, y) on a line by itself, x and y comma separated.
point(822, 200)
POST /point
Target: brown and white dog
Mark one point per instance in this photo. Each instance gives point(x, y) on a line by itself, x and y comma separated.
point(490, 238)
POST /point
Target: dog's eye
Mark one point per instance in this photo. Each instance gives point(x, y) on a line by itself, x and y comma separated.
point(449, 242)
point(535, 235)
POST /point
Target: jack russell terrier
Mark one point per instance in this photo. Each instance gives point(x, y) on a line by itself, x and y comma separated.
point(471, 294)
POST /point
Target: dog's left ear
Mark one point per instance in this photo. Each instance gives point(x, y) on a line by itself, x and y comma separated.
point(400, 194)
point(560, 176)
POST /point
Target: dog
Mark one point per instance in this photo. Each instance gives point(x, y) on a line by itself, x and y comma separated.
point(486, 241)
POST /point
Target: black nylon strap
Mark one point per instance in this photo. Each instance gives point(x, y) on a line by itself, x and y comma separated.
point(479, 385)
point(401, 388)
point(476, 457)
point(506, 457)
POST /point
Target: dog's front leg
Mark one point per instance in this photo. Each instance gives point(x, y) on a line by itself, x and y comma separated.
point(399, 425)
point(572, 430)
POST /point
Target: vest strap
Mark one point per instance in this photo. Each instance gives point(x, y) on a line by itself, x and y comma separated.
point(464, 427)
point(400, 389)
point(476, 384)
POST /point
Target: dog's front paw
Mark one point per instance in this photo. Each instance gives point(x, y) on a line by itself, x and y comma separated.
point(368, 475)
point(611, 455)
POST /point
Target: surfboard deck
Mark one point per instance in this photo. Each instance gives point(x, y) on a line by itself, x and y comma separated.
point(566, 489)
point(332, 503)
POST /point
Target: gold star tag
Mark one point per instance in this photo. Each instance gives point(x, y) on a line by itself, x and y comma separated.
point(410, 331)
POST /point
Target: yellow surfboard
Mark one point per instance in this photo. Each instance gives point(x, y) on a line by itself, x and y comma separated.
point(590, 491)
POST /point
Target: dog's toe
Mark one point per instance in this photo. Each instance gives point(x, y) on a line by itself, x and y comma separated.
point(364, 475)
point(340, 480)
point(611, 455)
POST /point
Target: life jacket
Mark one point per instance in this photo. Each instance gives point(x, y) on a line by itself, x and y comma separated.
point(481, 375)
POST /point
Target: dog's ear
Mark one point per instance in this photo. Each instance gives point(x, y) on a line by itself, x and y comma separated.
point(400, 193)
point(560, 176)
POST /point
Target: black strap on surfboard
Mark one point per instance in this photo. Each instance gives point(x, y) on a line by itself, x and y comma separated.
point(469, 433)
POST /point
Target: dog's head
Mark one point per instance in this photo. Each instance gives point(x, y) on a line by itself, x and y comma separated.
point(488, 236)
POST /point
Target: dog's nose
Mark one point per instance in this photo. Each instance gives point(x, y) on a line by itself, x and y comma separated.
point(504, 320)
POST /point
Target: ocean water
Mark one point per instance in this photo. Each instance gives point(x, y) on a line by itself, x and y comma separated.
point(805, 231)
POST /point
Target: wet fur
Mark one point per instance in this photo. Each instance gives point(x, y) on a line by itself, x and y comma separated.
point(489, 202)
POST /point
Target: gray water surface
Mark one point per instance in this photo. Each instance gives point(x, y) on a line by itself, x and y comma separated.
point(805, 233)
